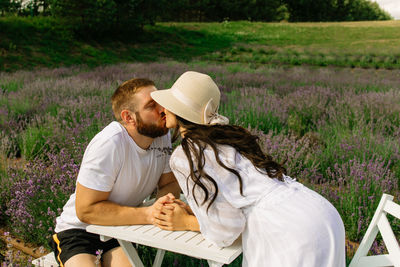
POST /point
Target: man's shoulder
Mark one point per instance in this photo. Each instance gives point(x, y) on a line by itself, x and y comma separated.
point(112, 133)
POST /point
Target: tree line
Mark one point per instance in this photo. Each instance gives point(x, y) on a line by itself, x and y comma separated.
point(99, 16)
point(273, 10)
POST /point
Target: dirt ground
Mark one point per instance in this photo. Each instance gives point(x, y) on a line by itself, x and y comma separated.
point(22, 253)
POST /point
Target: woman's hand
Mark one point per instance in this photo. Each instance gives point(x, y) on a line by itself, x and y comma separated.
point(175, 217)
point(155, 209)
point(184, 205)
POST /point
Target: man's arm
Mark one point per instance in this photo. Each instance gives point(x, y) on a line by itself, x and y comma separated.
point(168, 184)
point(93, 207)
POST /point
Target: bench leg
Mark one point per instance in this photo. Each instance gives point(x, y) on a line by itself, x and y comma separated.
point(214, 263)
point(105, 238)
point(159, 258)
point(130, 251)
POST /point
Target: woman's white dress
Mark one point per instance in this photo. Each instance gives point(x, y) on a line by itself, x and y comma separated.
point(283, 224)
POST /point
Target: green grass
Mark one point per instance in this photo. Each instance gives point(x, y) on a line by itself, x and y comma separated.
point(12, 86)
point(16, 106)
point(29, 42)
point(34, 141)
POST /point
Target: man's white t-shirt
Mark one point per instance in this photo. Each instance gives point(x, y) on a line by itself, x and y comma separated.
point(114, 163)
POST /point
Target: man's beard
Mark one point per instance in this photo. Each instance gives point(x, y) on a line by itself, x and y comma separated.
point(150, 130)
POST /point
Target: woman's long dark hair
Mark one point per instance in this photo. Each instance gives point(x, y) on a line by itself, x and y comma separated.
point(197, 137)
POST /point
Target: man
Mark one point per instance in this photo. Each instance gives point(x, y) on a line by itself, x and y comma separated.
point(122, 165)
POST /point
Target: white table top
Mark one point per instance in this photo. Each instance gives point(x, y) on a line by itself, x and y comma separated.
point(184, 242)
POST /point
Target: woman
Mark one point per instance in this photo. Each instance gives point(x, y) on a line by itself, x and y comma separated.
point(233, 188)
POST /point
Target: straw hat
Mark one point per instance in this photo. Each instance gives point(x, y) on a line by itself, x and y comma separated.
point(194, 97)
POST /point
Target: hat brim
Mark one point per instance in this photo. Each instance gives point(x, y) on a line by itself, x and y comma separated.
point(167, 100)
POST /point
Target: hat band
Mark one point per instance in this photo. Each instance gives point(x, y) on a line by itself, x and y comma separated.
point(185, 100)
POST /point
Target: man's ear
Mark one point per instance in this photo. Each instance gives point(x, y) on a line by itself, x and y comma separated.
point(128, 117)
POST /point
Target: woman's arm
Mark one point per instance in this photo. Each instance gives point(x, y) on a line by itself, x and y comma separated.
point(221, 223)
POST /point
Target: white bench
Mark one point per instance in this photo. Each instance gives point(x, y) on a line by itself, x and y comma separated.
point(380, 223)
point(46, 261)
point(188, 243)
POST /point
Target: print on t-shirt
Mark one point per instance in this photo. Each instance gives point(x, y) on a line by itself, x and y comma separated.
point(161, 151)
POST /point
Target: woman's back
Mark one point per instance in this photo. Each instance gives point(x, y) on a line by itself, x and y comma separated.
point(276, 218)
point(255, 183)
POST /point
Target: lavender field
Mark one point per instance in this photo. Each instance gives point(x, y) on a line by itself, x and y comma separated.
point(338, 129)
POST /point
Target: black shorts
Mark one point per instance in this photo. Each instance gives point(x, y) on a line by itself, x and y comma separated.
point(71, 242)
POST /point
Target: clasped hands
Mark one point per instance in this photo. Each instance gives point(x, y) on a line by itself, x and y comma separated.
point(169, 213)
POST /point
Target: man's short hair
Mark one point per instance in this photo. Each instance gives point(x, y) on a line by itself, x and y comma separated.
point(123, 96)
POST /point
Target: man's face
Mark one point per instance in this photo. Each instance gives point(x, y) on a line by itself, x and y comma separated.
point(150, 118)
point(149, 129)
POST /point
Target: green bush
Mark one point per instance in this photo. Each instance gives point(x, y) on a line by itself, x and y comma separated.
point(100, 18)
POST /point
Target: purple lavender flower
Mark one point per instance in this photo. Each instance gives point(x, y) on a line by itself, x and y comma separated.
point(338, 130)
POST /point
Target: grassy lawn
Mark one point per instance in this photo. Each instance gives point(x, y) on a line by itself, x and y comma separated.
point(27, 43)
point(351, 44)
point(348, 37)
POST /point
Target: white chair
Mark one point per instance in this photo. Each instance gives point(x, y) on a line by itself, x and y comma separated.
point(380, 223)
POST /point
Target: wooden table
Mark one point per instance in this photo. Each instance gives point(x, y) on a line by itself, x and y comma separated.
point(184, 242)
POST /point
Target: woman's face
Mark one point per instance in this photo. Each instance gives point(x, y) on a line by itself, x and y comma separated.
point(171, 121)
